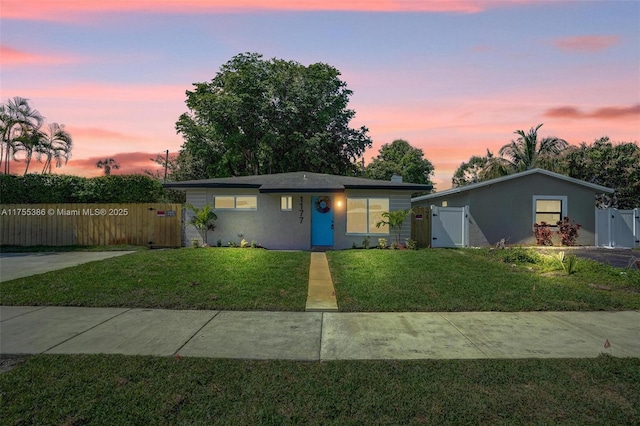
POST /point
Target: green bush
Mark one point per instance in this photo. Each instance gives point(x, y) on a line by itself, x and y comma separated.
point(518, 255)
point(48, 189)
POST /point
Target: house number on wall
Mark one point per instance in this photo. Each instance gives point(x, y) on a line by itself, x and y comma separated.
point(301, 209)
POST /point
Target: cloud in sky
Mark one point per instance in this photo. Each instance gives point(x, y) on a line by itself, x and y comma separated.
point(604, 113)
point(130, 163)
point(97, 133)
point(587, 43)
point(17, 57)
point(65, 10)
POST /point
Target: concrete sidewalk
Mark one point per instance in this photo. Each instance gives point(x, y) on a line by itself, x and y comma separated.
point(317, 336)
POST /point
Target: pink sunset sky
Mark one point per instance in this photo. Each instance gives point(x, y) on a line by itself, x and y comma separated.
point(453, 78)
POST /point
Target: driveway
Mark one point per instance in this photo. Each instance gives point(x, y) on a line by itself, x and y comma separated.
point(18, 265)
point(619, 258)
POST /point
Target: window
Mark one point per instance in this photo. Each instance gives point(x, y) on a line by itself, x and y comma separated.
point(236, 202)
point(364, 213)
point(549, 208)
point(286, 203)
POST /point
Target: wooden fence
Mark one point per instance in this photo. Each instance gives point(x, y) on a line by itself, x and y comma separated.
point(421, 226)
point(155, 224)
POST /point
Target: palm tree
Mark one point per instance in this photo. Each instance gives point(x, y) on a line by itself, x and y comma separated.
point(107, 164)
point(29, 143)
point(203, 219)
point(55, 143)
point(394, 220)
point(17, 118)
point(523, 153)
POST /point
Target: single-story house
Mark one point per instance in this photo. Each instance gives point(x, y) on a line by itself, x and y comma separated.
point(507, 207)
point(298, 210)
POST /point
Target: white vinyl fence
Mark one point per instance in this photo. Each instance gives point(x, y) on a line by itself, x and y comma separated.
point(450, 226)
point(618, 228)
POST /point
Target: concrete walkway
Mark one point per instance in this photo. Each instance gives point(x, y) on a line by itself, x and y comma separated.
point(317, 336)
point(321, 295)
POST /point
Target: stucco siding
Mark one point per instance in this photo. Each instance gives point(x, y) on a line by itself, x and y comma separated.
point(198, 198)
point(276, 229)
point(506, 209)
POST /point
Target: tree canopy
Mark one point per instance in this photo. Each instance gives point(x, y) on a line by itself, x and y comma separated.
point(524, 153)
point(614, 165)
point(604, 163)
point(479, 168)
point(400, 158)
point(269, 116)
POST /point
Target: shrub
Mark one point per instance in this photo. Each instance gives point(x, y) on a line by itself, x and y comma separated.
point(411, 244)
point(568, 231)
point(50, 189)
point(518, 255)
point(366, 241)
point(568, 263)
point(543, 234)
point(382, 243)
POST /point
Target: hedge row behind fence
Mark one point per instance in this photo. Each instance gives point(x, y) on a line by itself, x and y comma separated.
point(33, 189)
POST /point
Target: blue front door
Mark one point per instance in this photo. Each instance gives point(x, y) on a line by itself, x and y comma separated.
point(322, 221)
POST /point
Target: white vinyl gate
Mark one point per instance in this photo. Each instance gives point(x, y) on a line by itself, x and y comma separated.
point(618, 228)
point(449, 226)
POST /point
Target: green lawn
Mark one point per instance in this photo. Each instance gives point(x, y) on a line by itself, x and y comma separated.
point(365, 280)
point(112, 389)
point(179, 279)
point(476, 280)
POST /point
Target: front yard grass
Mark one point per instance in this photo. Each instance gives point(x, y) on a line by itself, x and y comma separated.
point(516, 279)
point(115, 389)
point(205, 278)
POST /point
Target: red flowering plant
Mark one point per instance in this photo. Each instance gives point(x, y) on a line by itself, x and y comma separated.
point(543, 233)
point(568, 231)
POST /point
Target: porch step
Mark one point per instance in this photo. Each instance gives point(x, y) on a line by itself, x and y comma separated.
point(321, 296)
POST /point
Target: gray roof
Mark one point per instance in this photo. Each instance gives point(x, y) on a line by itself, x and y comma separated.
point(472, 186)
point(298, 182)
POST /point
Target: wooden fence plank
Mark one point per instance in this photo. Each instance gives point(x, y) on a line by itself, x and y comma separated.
point(421, 226)
point(91, 224)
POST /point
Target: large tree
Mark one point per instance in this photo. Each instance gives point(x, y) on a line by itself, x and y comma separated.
point(478, 169)
point(524, 152)
point(400, 158)
point(269, 116)
point(604, 163)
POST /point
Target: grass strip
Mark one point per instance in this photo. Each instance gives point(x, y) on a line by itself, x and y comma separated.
point(113, 389)
point(233, 279)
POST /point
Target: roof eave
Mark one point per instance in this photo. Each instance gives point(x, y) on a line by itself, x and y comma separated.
point(184, 185)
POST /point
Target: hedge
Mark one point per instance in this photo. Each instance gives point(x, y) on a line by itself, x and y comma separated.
point(34, 189)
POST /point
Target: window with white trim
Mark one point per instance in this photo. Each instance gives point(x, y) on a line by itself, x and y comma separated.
point(549, 208)
point(286, 203)
point(235, 202)
point(364, 213)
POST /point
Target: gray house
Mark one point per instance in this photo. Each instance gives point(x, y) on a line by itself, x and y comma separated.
point(507, 207)
point(299, 210)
